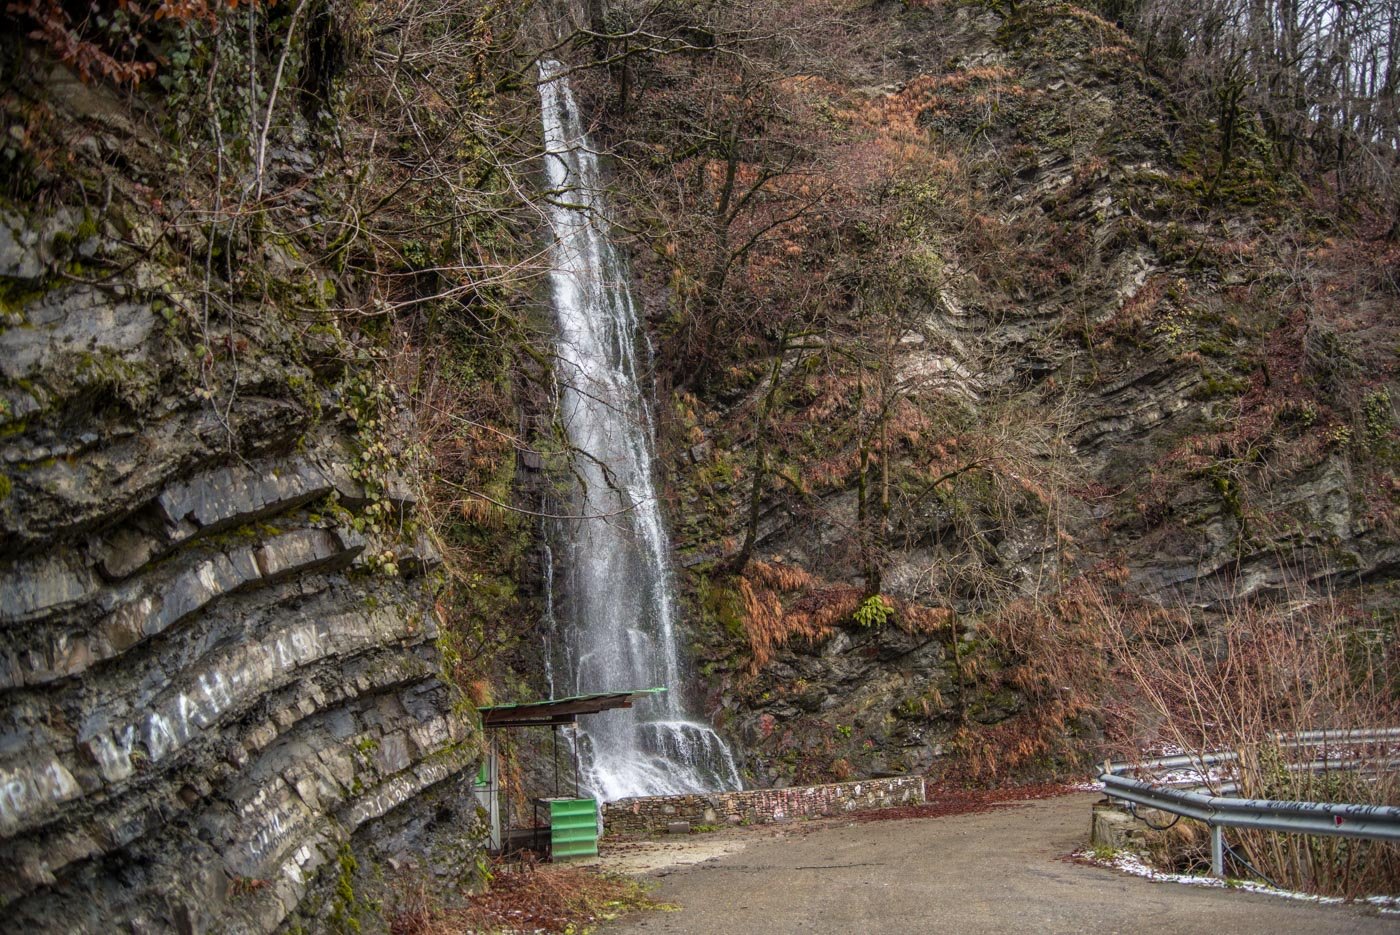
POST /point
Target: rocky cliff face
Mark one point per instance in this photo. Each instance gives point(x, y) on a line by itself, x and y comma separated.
point(1103, 371)
point(220, 701)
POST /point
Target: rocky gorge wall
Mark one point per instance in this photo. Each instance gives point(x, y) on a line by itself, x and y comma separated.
point(1104, 381)
point(221, 706)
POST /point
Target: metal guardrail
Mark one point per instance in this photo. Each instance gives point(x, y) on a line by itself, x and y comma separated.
point(1372, 822)
point(1317, 738)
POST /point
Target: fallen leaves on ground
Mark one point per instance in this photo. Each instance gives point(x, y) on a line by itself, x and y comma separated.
point(535, 898)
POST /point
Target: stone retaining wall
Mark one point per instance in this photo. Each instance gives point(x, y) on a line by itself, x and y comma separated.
point(651, 814)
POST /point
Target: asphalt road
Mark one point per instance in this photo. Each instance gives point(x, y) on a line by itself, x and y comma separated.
point(995, 872)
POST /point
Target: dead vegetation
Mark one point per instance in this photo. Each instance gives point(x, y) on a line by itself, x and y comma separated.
point(783, 603)
point(527, 898)
point(1306, 662)
point(1186, 680)
point(769, 623)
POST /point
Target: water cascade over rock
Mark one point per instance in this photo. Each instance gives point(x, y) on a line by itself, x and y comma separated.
point(617, 613)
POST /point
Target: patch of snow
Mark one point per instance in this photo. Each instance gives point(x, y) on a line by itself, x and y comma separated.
point(1388, 905)
point(1131, 863)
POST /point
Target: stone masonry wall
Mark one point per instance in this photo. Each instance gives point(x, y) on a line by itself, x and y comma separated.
point(651, 814)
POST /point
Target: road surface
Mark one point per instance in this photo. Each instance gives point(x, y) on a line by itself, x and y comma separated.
point(1001, 871)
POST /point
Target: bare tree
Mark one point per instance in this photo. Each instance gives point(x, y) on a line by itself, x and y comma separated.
point(1318, 77)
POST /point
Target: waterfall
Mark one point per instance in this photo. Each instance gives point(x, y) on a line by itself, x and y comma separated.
point(616, 617)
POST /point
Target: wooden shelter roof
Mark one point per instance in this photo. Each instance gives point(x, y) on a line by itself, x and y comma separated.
point(552, 711)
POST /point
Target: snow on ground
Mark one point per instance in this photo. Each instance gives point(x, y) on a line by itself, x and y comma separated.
point(1131, 863)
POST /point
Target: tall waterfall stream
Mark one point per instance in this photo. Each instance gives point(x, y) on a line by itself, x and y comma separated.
point(616, 614)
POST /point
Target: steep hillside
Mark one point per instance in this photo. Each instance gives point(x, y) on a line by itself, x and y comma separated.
point(1023, 355)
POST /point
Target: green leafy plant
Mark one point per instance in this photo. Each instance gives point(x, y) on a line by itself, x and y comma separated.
point(1376, 417)
point(874, 611)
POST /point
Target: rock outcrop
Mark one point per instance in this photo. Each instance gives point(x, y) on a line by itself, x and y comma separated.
point(1107, 376)
point(220, 701)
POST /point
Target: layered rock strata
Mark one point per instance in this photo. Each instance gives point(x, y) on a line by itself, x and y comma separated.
point(220, 702)
point(1165, 412)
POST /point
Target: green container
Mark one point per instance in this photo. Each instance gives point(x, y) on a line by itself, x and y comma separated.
point(573, 828)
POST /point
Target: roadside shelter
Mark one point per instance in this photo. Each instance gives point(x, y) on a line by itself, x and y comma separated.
point(573, 821)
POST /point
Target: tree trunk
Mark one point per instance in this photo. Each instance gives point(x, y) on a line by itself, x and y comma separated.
point(760, 459)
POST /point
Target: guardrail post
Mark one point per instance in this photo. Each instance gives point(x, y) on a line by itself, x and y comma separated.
point(1348, 820)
